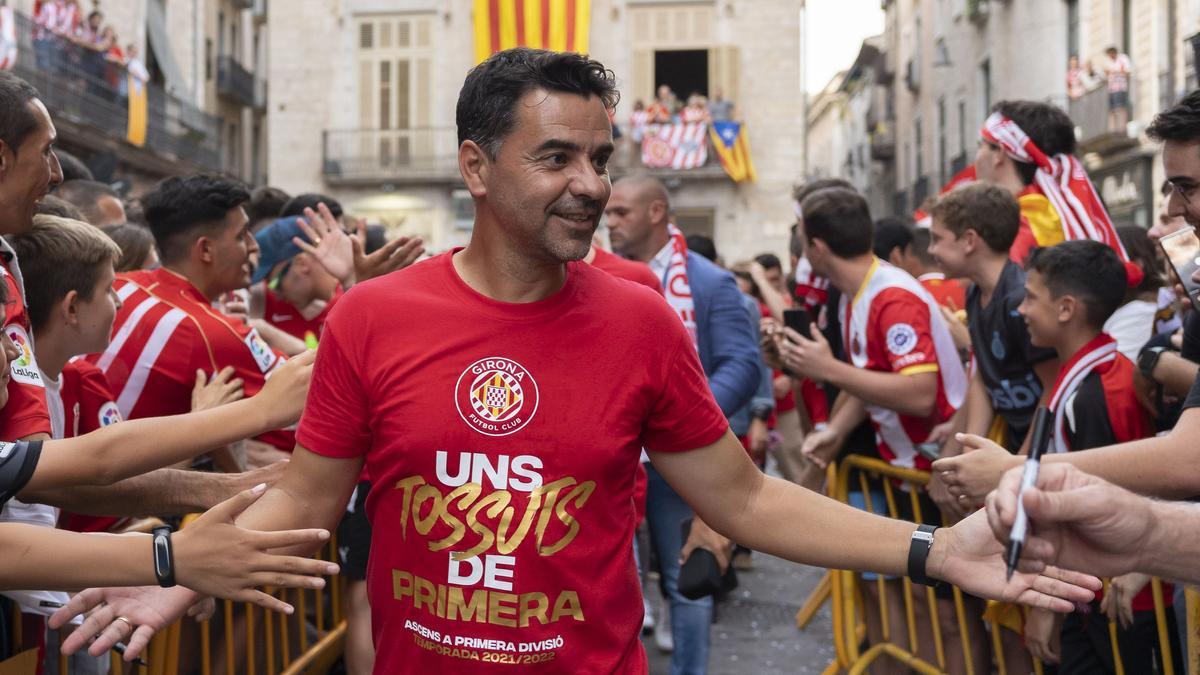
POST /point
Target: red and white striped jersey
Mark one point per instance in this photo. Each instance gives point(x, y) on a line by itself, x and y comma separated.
point(164, 332)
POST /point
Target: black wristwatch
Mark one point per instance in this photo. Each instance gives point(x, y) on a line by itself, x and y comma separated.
point(164, 556)
point(1148, 361)
point(918, 554)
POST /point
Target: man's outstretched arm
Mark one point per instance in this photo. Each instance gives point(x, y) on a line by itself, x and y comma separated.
point(766, 514)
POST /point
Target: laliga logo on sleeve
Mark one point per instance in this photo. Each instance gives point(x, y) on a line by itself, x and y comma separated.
point(901, 339)
point(109, 414)
point(496, 396)
point(24, 367)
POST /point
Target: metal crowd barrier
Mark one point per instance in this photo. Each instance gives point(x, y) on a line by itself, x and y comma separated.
point(899, 485)
point(252, 641)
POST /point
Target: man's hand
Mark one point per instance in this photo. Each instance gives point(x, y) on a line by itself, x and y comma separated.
point(394, 255)
point(972, 475)
point(282, 397)
point(229, 484)
point(221, 389)
point(1078, 520)
point(958, 329)
point(145, 610)
point(947, 503)
point(328, 244)
point(807, 356)
point(821, 446)
point(759, 437)
point(970, 557)
point(214, 556)
point(1042, 635)
point(703, 536)
point(1118, 600)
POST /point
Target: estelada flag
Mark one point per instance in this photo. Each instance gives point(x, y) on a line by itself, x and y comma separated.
point(729, 139)
point(557, 25)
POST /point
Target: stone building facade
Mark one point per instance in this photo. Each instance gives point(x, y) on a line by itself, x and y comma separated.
point(371, 121)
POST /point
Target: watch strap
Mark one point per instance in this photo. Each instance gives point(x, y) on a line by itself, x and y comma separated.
point(164, 556)
point(918, 554)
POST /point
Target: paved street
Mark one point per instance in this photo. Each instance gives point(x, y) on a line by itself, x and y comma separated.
point(756, 631)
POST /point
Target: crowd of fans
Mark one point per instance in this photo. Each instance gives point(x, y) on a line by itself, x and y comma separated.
point(77, 45)
point(158, 351)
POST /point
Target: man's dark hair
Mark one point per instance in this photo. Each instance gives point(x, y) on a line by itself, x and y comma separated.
point(1086, 269)
point(891, 233)
point(73, 168)
point(802, 190)
point(487, 103)
point(769, 261)
point(1180, 122)
point(17, 121)
point(179, 208)
point(920, 246)
point(840, 218)
point(266, 203)
point(85, 194)
point(1047, 126)
point(988, 209)
point(294, 208)
point(702, 245)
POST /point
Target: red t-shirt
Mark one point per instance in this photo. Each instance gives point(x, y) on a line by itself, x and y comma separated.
point(899, 339)
point(25, 413)
point(949, 293)
point(164, 332)
point(284, 315)
point(81, 402)
point(508, 435)
point(642, 274)
point(626, 269)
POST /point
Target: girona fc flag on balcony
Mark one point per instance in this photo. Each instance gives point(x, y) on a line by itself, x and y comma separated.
point(682, 145)
point(557, 25)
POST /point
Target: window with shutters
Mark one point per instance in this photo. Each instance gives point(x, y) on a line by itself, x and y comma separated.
point(394, 87)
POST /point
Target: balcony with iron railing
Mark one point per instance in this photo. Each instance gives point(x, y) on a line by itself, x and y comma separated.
point(234, 81)
point(89, 105)
point(430, 156)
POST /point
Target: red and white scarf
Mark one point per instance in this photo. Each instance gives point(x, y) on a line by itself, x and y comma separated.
point(676, 287)
point(1101, 350)
point(1065, 183)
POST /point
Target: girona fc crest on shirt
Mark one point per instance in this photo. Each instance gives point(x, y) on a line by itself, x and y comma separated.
point(496, 396)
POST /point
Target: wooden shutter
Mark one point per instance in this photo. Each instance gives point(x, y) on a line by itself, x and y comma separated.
point(643, 77)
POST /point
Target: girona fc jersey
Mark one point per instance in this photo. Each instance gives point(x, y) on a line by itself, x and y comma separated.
point(25, 413)
point(164, 332)
point(503, 440)
point(893, 325)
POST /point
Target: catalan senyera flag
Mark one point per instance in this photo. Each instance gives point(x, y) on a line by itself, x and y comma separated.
point(729, 139)
point(557, 25)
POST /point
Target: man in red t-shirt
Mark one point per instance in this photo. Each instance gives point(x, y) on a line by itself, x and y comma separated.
point(30, 170)
point(503, 393)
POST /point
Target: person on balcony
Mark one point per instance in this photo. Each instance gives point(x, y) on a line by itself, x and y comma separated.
point(1118, 69)
point(1080, 78)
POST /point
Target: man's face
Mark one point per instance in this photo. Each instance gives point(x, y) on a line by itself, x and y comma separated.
point(1040, 310)
point(234, 253)
point(988, 158)
point(1181, 162)
point(111, 210)
point(630, 220)
point(814, 254)
point(549, 182)
point(306, 280)
point(96, 316)
point(948, 249)
point(28, 173)
point(1165, 223)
